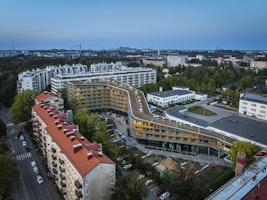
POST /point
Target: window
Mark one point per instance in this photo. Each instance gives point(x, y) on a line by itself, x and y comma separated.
point(112, 181)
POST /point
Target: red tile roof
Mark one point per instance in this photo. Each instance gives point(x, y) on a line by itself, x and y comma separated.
point(45, 95)
point(87, 156)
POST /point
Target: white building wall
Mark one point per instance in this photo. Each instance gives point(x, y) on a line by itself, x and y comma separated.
point(174, 60)
point(254, 109)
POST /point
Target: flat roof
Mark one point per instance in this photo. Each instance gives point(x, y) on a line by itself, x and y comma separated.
point(255, 97)
point(226, 121)
point(170, 93)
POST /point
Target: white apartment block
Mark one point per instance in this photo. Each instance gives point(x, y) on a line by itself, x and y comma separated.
point(174, 60)
point(254, 105)
point(176, 95)
point(39, 79)
point(135, 77)
point(80, 168)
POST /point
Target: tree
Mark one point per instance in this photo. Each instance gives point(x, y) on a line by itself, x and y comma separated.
point(2, 128)
point(129, 188)
point(183, 184)
point(8, 174)
point(20, 110)
point(247, 147)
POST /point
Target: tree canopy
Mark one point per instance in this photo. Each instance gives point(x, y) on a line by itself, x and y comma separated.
point(8, 174)
point(247, 147)
point(129, 187)
point(20, 110)
point(3, 128)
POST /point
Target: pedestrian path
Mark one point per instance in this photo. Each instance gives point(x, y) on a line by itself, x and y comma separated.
point(23, 156)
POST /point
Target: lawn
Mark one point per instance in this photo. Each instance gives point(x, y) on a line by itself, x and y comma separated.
point(201, 111)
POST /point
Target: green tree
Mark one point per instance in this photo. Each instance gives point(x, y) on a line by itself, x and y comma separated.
point(183, 184)
point(247, 147)
point(20, 110)
point(2, 128)
point(129, 188)
point(8, 174)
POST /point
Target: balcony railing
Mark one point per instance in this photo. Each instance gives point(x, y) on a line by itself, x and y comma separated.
point(53, 150)
point(62, 169)
point(79, 193)
point(78, 184)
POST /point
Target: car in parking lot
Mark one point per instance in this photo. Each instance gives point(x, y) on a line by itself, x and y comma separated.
point(128, 166)
point(141, 176)
point(24, 143)
point(36, 170)
point(33, 164)
point(160, 191)
point(164, 196)
point(149, 182)
point(21, 138)
point(39, 179)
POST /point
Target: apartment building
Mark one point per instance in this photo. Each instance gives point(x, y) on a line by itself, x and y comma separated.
point(260, 63)
point(152, 130)
point(80, 168)
point(135, 77)
point(174, 96)
point(254, 105)
point(39, 79)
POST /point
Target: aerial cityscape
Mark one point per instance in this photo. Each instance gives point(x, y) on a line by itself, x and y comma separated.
point(133, 100)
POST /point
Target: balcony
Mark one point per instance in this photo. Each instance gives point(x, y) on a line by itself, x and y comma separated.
point(62, 169)
point(61, 161)
point(79, 193)
point(63, 184)
point(54, 163)
point(54, 170)
point(78, 184)
point(54, 157)
point(62, 176)
point(53, 150)
point(63, 191)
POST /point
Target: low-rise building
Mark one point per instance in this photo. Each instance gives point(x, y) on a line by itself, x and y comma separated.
point(254, 105)
point(80, 168)
point(260, 63)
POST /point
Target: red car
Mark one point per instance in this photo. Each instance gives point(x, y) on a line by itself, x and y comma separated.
point(160, 191)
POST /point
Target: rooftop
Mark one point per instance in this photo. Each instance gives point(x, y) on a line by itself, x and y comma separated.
point(260, 98)
point(251, 184)
point(83, 154)
point(170, 93)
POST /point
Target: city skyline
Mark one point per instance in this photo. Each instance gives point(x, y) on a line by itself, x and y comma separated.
point(238, 25)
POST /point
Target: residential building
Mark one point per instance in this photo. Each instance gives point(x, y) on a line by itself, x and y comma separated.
point(174, 96)
point(174, 60)
point(39, 79)
point(149, 129)
point(250, 184)
point(260, 63)
point(80, 168)
point(135, 77)
point(254, 105)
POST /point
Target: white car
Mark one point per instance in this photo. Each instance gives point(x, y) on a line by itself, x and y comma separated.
point(164, 196)
point(141, 176)
point(33, 164)
point(149, 182)
point(24, 143)
point(39, 179)
point(36, 170)
point(128, 166)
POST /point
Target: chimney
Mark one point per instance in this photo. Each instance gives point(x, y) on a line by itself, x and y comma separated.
point(77, 147)
point(240, 163)
point(72, 138)
point(89, 154)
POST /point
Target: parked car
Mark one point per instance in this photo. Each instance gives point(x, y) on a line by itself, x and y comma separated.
point(33, 164)
point(164, 196)
point(160, 192)
point(128, 166)
point(141, 176)
point(149, 182)
point(39, 179)
point(24, 143)
point(36, 170)
point(21, 138)
point(27, 149)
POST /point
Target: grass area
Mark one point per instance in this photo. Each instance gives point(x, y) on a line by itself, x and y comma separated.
point(201, 111)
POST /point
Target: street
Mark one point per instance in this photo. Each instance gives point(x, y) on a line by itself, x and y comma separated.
point(26, 187)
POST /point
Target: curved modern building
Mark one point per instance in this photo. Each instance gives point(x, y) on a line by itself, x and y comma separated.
point(152, 130)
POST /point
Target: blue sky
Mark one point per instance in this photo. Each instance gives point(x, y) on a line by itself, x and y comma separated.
point(105, 24)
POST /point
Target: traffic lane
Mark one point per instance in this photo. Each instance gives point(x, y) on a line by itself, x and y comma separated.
point(152, 192)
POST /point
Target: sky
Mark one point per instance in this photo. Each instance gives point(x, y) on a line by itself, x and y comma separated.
point(108, 24)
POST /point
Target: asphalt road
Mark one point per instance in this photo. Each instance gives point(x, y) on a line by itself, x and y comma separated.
point(26, 187)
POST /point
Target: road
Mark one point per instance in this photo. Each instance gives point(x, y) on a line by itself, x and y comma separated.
point(26, 187)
